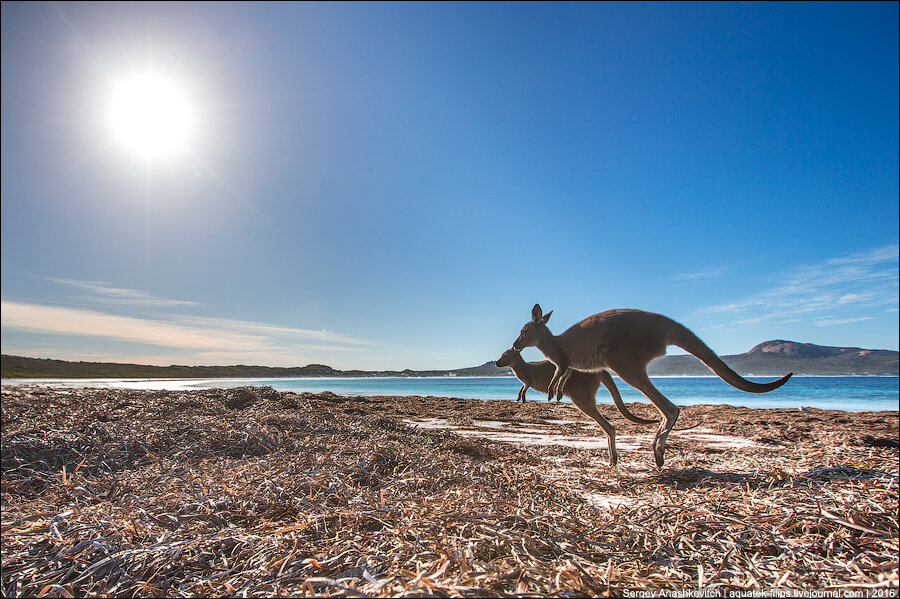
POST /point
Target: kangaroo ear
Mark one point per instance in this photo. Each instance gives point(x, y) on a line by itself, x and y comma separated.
point(536, 312)
point(546, 317)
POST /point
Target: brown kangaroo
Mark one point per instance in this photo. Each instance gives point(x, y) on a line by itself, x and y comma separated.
point(625, 341)
point(581, 387)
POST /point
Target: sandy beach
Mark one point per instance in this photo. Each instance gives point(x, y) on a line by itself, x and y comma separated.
point(252, 491)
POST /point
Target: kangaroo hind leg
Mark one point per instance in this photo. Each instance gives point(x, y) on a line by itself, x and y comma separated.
point(640, 381)
point(588, 405)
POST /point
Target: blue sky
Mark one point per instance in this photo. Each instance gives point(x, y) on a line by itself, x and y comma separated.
point(395, 185)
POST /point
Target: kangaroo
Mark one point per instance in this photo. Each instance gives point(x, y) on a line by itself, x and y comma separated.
point(625, 341)
point(581, 387)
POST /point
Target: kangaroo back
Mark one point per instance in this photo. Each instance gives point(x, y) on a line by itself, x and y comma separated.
point(682, 337)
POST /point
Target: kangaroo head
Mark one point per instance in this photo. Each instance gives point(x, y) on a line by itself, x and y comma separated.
point(533, 330)
point(508, 358)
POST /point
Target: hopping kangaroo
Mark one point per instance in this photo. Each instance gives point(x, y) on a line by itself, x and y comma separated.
point(581, 387)
point(625, 341)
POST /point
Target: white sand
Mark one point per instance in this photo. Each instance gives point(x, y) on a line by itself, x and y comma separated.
point(533, 435)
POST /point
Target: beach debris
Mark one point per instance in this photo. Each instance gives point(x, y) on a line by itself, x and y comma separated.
point(136, 493)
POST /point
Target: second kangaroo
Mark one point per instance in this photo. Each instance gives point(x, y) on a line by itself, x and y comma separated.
point(581, 387)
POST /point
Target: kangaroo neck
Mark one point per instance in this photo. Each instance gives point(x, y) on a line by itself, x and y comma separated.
point(550, 347)
point(519, 367)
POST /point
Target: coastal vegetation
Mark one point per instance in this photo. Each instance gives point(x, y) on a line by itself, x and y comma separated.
point(22, 367)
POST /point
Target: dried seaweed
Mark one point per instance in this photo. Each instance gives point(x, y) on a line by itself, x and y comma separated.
point(255, 492)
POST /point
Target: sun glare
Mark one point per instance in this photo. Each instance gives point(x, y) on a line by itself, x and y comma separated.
point(151, 116)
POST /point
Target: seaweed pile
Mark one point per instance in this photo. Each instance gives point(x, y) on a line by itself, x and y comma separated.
point(256, 492)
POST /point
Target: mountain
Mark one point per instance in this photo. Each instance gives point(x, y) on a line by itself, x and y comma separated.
point(778, 357)
point(486, 369)
point(770, 358)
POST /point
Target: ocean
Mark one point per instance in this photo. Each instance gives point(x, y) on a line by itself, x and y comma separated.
point(854, 394)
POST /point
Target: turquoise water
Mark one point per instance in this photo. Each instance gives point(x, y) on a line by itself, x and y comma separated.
point(853, 394)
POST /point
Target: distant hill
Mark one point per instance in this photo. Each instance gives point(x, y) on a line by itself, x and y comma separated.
point(486, 369)
point(19, 367)
point(769, 358)
point(779, 357)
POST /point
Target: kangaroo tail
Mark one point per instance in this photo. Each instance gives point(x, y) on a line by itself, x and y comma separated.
point(688, 341)
point(607, 380)
point(636, 419)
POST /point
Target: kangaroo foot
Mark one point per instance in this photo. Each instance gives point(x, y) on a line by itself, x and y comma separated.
point(659, 455)
point(659, 448)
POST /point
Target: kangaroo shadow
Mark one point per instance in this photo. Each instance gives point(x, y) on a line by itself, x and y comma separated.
point(698, 478)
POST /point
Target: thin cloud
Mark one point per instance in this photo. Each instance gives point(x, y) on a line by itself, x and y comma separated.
point(872, 256)
point(854, 297)
point(269, 329)
point(109, 294)
point(38, 318)
point(859, 281)
point(106, 292)
point(241, 340)
point(704, 273)
point(830, 322)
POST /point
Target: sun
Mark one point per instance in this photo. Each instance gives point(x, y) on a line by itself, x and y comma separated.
point(151, 116)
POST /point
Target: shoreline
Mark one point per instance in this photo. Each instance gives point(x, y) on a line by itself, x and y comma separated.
point(843, 395)
point(37, 380)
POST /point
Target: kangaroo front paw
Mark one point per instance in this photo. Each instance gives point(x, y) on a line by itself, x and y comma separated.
point(556, 389)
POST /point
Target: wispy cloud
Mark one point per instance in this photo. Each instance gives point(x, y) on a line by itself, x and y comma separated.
point(99, 310)
point(270, 330)
point(108, 293)
point(204, 338)
point(888, 253)
point(830, 322)
point(704, 273)
point(852, 283)
point(854, 297)
point(38, 318)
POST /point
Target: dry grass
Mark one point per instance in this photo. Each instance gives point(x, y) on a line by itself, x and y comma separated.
point(134, 493)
